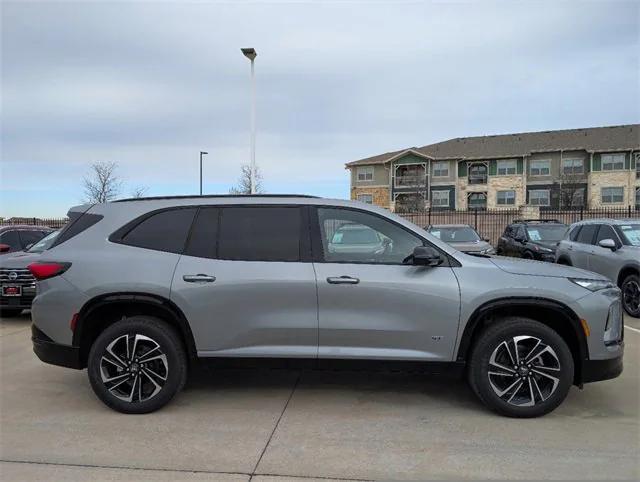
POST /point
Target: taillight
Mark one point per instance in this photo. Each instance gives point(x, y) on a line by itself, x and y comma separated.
point(43, 269)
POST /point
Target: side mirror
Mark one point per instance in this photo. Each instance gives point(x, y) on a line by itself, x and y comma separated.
point(4, 248)
point(426, 256)
point(608, 243)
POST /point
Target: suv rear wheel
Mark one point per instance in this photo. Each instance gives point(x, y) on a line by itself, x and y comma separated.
point(521, 368)
point(631, 295)
point(137, 365)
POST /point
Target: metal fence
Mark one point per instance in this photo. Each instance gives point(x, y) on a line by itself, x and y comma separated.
point(49, 222)
point(490, 224)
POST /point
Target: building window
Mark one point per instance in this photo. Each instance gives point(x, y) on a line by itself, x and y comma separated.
point(539, 197)
point(365, 198)
point(506, 198)
point(540, 168)
point(507, 168)
point(478, 173)
point(612, 162)
point(440, 169)
point(611, 195)
point(572, 166)
point(440, 199)
point(365, 173)
point(477, 200)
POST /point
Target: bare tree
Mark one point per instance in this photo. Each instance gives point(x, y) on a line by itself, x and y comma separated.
point(139, 191)
point(102, 184)
point(244, 182)
point(571, 189)
point(410, 203)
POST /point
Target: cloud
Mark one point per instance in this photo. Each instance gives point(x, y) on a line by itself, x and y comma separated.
point(150, 84)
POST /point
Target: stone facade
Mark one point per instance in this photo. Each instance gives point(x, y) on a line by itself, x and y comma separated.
point(600, 179)
point(380, 195)
point(506, 183)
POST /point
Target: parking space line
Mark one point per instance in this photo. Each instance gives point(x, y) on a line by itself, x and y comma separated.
point(632, 328)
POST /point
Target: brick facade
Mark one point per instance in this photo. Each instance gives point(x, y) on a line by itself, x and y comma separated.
point(381, 195)
point(598, 180)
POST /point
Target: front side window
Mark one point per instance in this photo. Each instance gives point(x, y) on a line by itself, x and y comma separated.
point(539, 197)
point(260, 233)
point(586, 234)
point(163, 231)
point(349, 236)
point(612, 162)
point(606, 232)
point(365, 198)
point(572, 166)
point(506, 198)
point(506, 168)
point(540, 168)
point(631, 234)
point(441, 169)
point(546, 232)
point(365, 173)
point(610, 195)
point(440, 199)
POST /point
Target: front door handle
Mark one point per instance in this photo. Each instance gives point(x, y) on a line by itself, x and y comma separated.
point(342, 280)
point(198, 278)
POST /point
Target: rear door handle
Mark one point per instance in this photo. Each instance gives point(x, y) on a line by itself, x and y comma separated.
point(342, 280)
point(198, 278)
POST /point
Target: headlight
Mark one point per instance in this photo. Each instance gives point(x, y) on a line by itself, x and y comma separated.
point(542, 249)
point(613, 328)
point(593, 284)
point(488, 251)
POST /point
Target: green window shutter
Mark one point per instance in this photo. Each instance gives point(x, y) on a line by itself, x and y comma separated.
point(597, 164)
point(462, 169)
point(452, 198)
point(519, 167)
point(633, 161)
point(493, 168)
point(627, 160)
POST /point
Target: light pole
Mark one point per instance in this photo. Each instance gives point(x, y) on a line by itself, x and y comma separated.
point(251, 54)
point(202, 153)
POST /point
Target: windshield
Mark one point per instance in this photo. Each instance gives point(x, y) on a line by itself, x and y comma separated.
point(361, 235)
point(44, 244)
point(546, 232)
point(462, 234)
point(631, 233)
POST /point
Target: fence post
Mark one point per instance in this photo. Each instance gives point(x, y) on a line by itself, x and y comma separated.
point(429, 223)
point(581, 213)
point(629, 215)
point(475, 219)
point(34, 221)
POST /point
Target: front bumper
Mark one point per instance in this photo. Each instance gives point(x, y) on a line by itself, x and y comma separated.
point(598, 370)
point(548, 257)
point(54, 353)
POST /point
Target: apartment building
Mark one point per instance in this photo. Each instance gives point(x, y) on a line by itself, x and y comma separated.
point(590, 168)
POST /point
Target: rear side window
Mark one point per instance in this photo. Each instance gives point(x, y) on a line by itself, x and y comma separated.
point(31, 237)
point(260, 233)
point(204, 234)
point(77, 223)
point(163, 231)
point(586, 234)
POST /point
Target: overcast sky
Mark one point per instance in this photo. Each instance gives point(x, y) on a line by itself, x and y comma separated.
point(150, 84)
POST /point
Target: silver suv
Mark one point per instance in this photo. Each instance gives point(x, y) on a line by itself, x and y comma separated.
point(138, 290)
point(610, 247)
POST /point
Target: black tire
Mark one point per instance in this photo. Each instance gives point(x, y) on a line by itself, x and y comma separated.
point(10, 312)
point(564, 261)
point(528, 255)
point(165, 342)
point(491, 340)
point(631, 295)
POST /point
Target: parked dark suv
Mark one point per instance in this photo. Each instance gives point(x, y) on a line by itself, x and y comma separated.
point(532, 239)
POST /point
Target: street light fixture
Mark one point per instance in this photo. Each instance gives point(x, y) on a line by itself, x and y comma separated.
point(202, 153)
point(251, 54)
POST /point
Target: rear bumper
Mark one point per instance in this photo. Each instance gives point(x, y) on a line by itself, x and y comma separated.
point(54, 353)
point(598, 370)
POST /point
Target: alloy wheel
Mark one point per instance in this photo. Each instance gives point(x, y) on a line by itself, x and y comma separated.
point(524, 371)
point(133, 368)
point(631, 296)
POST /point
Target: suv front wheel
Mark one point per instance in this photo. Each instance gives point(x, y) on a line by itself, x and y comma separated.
point(137, 365)
point(521, 368)
point(631, 295)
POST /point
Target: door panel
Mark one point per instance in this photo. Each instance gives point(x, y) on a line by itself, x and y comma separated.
point(253, 308)
point(393, 312)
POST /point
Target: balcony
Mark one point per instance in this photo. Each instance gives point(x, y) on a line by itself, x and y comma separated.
point(477, 174)
point(411, 181)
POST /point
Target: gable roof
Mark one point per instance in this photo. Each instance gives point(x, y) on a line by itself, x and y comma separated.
point(624, 137)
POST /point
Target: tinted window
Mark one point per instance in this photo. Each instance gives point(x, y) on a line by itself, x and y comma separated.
point(164, 231)
point(45, 243)
point(12, 239)
point(31, 237)
point(521, 233)
point(204, 234)
point(606, 232)
point(585, 235)
point(260, 233)
point(356, 237)
point(77, 223)
point(574, 233)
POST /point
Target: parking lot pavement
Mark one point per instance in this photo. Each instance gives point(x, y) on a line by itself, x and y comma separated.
point(272, 425)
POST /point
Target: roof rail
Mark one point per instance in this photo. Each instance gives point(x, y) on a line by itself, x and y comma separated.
point(214, 196)
point(537, 221)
